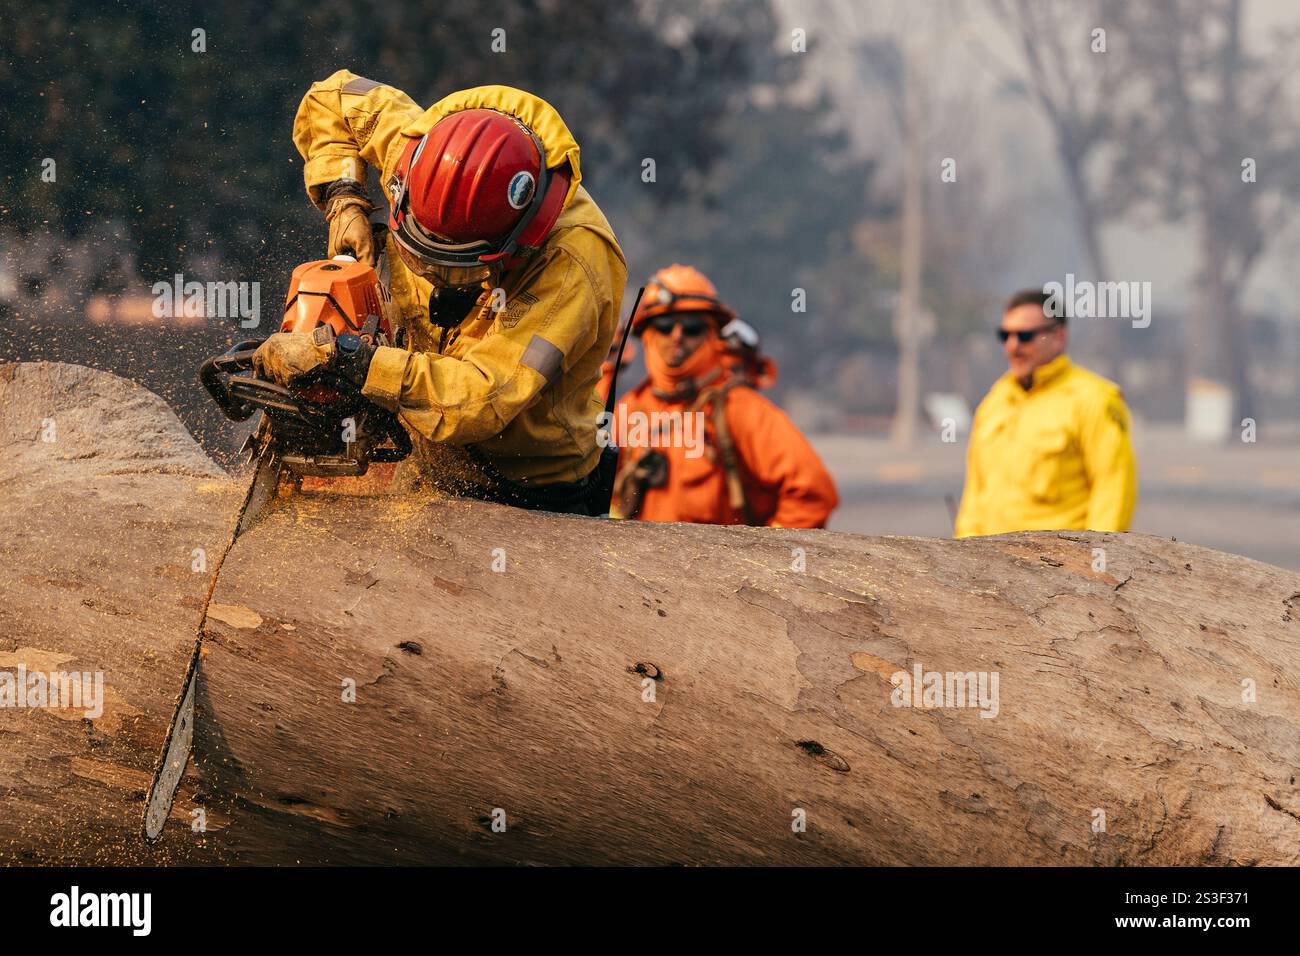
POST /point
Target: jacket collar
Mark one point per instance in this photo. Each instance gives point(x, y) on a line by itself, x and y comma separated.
point(1053, 370)
point(1043, 376)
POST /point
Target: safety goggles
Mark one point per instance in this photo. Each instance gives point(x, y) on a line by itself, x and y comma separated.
point(739, 334)
point(668, 299)
point(1025, 336)
point(443, 276)
point(692, 325)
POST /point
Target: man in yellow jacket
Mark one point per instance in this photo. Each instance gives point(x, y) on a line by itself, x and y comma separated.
point(506, 277)
point(1049, 447)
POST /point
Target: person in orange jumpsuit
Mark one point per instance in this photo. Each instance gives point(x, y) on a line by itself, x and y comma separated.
point(743, 358)
point(697, 442)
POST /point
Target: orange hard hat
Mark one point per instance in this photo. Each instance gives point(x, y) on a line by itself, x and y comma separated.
point(680, 288)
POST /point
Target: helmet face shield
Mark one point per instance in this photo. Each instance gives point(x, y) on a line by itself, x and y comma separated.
point(458, 277)
point(443, 276)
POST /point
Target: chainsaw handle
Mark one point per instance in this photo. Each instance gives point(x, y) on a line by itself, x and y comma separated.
point(239, 394)
point(213, 372)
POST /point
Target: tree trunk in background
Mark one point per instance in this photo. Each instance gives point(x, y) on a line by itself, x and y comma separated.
point(1219, 351)
point(1204, 360)
point(1104, 336)
point(1233, 327)
point(908, 320)
point(535, 688)
point(1216, 341)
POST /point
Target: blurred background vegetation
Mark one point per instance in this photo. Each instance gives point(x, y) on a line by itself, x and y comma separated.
point(170, 160)
point(778, 129)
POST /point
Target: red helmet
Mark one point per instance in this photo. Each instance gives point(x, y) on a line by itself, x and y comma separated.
point(679, 288)
point(474, 190)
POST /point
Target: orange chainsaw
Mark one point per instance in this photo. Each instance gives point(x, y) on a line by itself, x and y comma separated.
point(322, 426)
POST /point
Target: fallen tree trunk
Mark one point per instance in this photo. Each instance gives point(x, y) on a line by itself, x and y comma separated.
point(110, 514)
point(421, 680)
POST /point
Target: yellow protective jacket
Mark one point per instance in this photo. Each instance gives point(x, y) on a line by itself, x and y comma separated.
point(1055, 456)
point(518, 384)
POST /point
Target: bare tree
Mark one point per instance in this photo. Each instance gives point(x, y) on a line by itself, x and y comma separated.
point(1074, 81)
point(1217, 142)
point(900, 59)
point(908, 318)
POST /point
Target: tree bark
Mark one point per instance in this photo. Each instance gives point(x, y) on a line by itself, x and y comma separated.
point(618, 692)
point(105, 499)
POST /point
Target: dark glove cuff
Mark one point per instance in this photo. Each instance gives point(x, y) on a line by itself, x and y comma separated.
point(345, 187)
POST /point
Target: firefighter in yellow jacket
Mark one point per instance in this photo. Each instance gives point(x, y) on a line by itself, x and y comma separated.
point(1049, 447)
point(506, 277)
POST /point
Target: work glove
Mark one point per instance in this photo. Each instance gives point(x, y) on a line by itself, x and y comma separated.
point(351, 359)
point(288, 356)
point(651, 469)
point(648, 471)
point(348, 211)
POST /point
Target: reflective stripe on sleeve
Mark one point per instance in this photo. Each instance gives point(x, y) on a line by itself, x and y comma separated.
point(544, 358)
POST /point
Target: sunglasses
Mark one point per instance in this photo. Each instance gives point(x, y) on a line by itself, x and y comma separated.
point(1024, 336)
point(691, 326)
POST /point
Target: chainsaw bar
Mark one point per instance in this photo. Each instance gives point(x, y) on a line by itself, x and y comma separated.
point(180, 735)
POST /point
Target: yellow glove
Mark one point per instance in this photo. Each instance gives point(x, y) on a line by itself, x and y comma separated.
point(350, 228)
point(286, 356)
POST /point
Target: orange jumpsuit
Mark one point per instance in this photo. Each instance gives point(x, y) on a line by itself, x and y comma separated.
point(784, 481)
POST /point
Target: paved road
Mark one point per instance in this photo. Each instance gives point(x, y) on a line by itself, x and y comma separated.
point(1241, 498)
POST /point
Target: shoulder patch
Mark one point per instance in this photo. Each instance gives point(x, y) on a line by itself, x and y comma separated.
point(367, 129)
point(516, 308)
